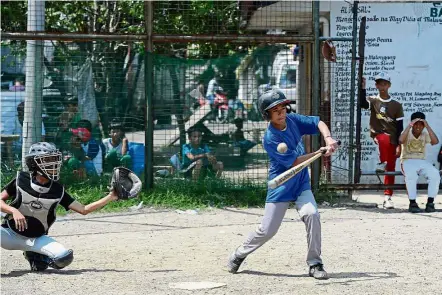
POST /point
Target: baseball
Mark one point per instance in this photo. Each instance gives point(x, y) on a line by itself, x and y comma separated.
point(282, 148)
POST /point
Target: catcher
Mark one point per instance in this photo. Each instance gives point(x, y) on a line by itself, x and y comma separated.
point(36, 195)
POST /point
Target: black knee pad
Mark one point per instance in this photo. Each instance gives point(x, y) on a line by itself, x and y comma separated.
point(37, 261)
point(62, 261)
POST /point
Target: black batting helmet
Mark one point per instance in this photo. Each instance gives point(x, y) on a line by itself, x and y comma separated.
point(270, 99)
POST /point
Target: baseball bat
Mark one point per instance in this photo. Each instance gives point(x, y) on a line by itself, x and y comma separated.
point(283, 177)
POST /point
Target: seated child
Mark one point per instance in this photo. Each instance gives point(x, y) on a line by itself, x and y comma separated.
point(413, 141)
point(85, 151)
point(116, 148)
point(198, 153)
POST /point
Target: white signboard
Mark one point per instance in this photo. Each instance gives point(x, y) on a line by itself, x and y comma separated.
point(404, 40)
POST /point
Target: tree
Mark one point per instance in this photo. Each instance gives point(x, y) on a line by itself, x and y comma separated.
point(111, 60)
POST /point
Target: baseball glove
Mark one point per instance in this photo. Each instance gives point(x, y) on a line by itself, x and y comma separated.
point(125, 183)
point(329, 51)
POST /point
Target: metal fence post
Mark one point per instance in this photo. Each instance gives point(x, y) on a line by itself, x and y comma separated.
point(34, 78)
point(361, 53)
point(316, 89)
point(148, 139)
point(352, 95)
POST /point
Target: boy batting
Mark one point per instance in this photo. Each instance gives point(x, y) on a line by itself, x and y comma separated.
point(286, 130)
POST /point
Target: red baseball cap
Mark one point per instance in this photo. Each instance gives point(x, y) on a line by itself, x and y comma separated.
point(82, 133)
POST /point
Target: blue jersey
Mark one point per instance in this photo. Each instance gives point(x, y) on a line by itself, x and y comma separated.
point(297, 126)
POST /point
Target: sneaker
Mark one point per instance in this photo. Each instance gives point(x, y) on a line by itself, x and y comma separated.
point(234, 263)
point(318, 272)
point(38, 262)
point(414, 208)
point(429, 208)
point(380, 167)
point(388, 204)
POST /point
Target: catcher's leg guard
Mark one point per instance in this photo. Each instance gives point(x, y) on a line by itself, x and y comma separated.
point(37, 261)
point(62, 261)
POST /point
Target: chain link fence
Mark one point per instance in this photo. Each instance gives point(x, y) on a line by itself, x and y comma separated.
point(210, 62)
point(335, 111)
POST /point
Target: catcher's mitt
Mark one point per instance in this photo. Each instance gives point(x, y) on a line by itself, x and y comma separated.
point(125, 183)
point(329, 51)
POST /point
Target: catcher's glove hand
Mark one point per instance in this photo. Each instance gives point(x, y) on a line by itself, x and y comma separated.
point(329, 51)
point(125, 183)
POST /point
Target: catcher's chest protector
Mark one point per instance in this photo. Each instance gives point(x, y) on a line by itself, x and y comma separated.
point(38, 208)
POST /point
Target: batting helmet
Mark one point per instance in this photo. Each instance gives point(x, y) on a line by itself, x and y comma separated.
point(271, 99)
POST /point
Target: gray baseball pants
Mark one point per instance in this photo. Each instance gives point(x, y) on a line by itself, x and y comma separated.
point(273, 216)
point(45, 245)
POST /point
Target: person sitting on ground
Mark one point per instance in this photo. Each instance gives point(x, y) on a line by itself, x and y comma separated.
point(85, 151)
point(197, 158)
point(116, 147)
point(238, 138)
point(413, 141)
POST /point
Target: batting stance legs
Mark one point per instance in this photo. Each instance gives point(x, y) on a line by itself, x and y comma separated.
point(273, 216)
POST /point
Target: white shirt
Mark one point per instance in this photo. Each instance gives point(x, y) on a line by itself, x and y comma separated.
point(107, 142)
point(213, 85)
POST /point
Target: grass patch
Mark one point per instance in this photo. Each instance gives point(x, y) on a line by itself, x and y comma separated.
point(177, 193)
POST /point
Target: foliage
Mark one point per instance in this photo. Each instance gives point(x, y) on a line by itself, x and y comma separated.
point(112, 60)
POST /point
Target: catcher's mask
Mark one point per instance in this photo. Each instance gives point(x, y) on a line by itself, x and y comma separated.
point(44, 158)
point(271, 99)
point(329, 51)
point(125, 183)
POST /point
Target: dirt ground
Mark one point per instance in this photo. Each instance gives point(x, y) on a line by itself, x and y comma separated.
point(366, 251)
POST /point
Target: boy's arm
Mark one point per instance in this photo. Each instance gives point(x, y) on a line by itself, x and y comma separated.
point(399, 121)
point(439, 157)
point(363, 98)
point(399, 128)
point(193, 157)
point(329, 141)
point(190, 156)
point(19, 219)
point(93, 149)
point(124, 147)
point(403, 137)
point(86, 209)
point(433, 136)
point(303, 158)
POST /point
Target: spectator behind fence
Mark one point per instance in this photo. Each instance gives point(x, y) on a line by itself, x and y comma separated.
point(212, 88)
point(116, 147)
point(71, 107)
point(413, 141)
point(85, 151)
point(198, 152)
point(67, 121)
point(63, 135)
point(238, 138)
point(19, 127)
point(18, 85)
